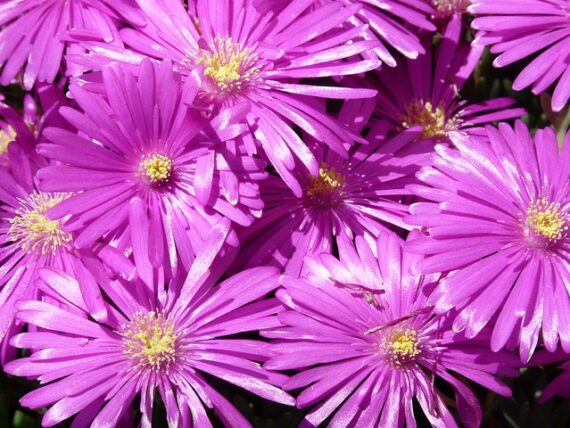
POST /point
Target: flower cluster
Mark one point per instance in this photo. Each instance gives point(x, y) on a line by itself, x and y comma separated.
point(294, 198)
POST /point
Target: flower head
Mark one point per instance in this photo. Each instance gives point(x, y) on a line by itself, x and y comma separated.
point(366, 344)
point(149, 346)
point(157, 175)
point(425, 92)
point(516, 31)
point(229, 67)
point(32, 231)
point(363, 194)
point(266, 59)
point(31, 241)
point(497, 218)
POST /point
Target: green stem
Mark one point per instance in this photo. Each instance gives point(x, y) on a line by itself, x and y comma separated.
point(561, 134)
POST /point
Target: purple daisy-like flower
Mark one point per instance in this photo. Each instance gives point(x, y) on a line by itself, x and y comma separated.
point(30, 241)
point(148, 167)
point(359, 195)
point(425, 92)
point(257, 58)
point(518, 29)
point(497, 219)
point(95, 370)
point(364, 358)
point(34, 32)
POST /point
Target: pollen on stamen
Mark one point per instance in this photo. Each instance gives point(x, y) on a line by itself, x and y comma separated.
point(546, 222)
point(6, 137)
point(401, 346)
point(157, 168)
point(327, 188)
point(446, 8)
point(31, 230)
point(433, 119)
point(150, 340)
point(230, 67)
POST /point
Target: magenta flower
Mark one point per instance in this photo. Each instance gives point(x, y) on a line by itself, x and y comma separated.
point(364, 358)
point(30, 241)
point(425, 91)
point(497, 219)
point(148, 168)
point(364, 194)
point(95, 370)
point(34, 32)
point(257, 58)
point(519, 29)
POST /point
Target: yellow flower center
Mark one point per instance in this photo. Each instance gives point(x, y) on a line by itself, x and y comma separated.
point(150, 340)
point(6, 137)
point(31, 229)
point(329, 183)
point(157, 168)
point(446, 8)
point(546, 220)
point(433, 120)
point(230, 66)
point(402, 346)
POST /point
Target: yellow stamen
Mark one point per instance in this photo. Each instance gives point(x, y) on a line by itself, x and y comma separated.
point(547, 220)
point(229, 65)
point(157, 168)
point(150, 339)
point(6, 137)
point(446, 8)
point(328, 183)
point(31, 229)
point(402, 346)
point(432, 119)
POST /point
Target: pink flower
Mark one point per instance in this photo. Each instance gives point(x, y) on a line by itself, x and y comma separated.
point(362, 195)
point(95, 370)
point(366, 344)
point(425, 92)
point(257, 58)
point(147, 169)
point(30, 241)
point(496, 218)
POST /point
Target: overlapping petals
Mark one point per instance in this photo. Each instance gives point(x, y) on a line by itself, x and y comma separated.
point(487, 221)
point(363, 357)
point(93, 371)
point(148, 169)
point(258, 58)
point(519, 29)
point(35, 32)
